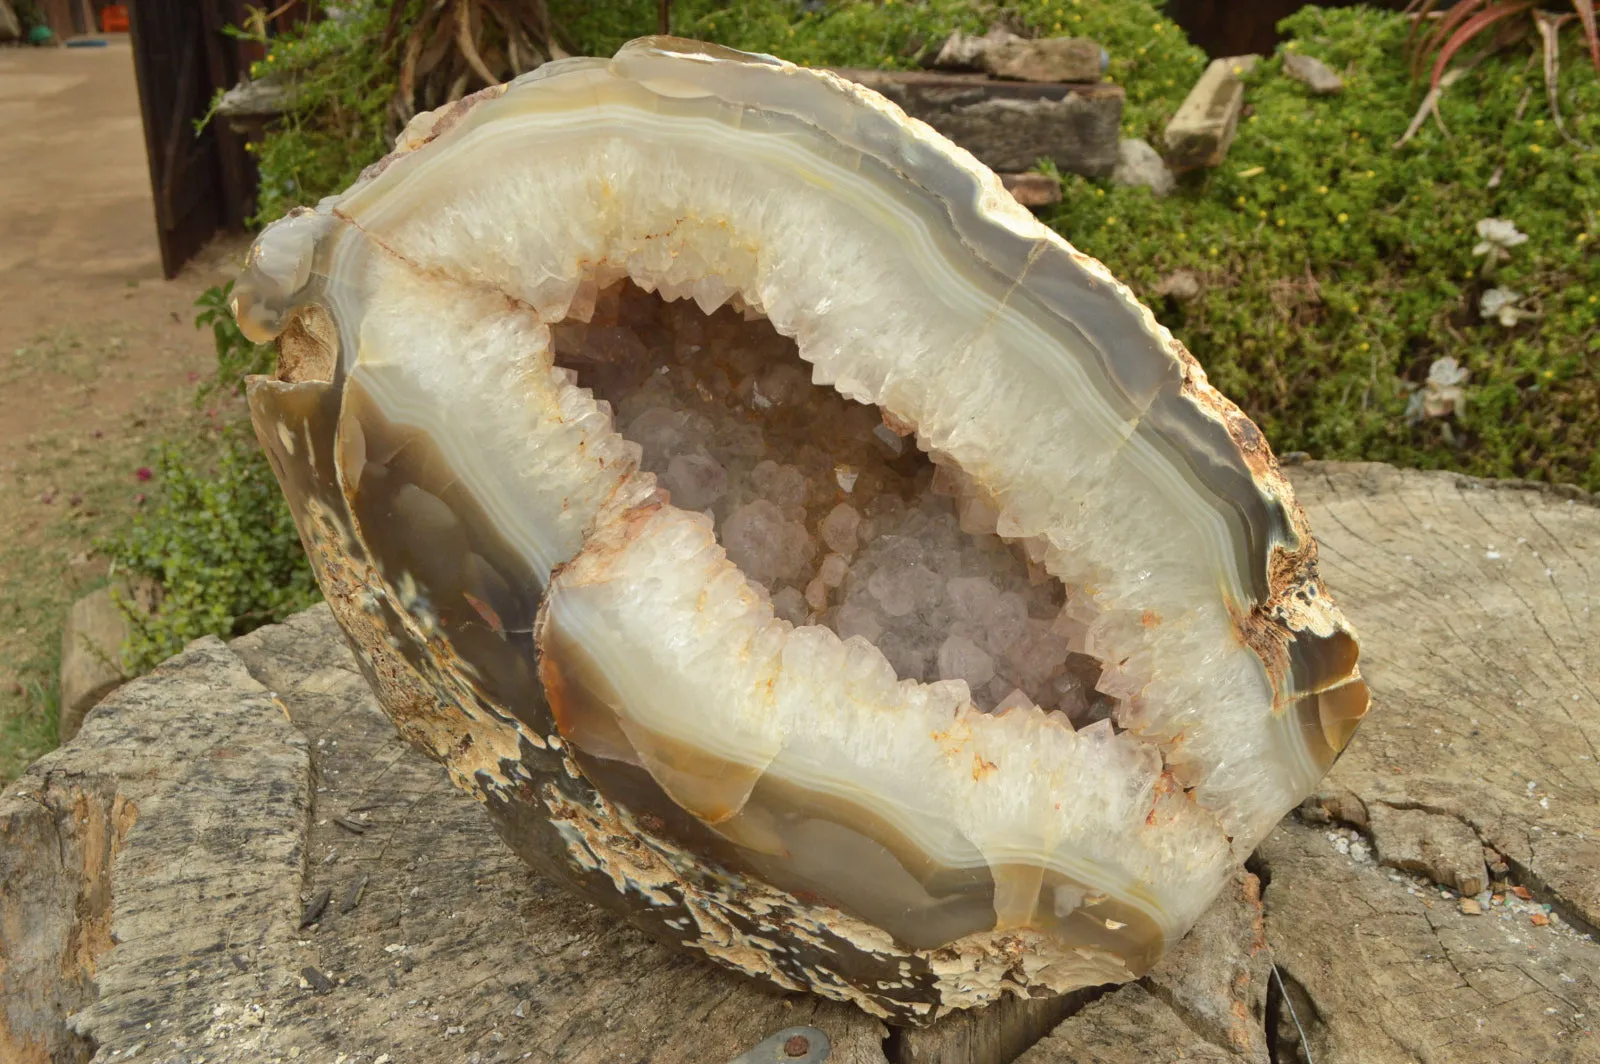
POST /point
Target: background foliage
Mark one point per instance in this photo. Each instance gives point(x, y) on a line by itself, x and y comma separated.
point(221, 544)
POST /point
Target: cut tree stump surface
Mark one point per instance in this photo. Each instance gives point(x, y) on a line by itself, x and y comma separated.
point(155, 873)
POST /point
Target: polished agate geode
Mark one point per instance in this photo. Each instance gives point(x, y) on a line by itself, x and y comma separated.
point(792, 544)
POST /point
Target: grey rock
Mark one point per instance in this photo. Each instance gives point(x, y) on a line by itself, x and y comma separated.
point(1140, 164)
point(1202, 130)
point(1313, 72)
point(260, 98)
point(1011, 125)
point(1006, 55)
point(151, 867)
point(1182, 285)
point(965, 51)
point(91, 657)
point(1048, 59)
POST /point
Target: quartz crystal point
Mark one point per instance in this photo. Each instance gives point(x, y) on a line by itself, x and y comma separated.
point(950, 636)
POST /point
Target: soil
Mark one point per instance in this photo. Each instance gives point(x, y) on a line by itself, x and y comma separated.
point(98, 353)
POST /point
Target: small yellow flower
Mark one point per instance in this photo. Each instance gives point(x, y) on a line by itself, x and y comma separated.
point(1280, 223)
point(1099, 192)
point(1212, 249)
point(1261, 214)
point(1549, 373)
point(1112, 220)
point(1182, 235)
point(1535, 149)
point(1240, 201)
point(1365, 346)
point(1355, 308)
point(1538, 121)
point(1253, 117)
point(1372, 173)
point(1343, 217)
point(1282, 187)
point(1322, 190)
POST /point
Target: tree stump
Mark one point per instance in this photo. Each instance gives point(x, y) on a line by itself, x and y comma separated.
point(238, 860)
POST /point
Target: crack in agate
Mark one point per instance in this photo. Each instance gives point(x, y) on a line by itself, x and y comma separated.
point(452, 471)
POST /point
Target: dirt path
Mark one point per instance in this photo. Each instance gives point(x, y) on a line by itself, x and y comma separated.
point(98, 354)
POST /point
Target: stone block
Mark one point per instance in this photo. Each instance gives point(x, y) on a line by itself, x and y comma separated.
point(1011, 125)
point(1200, 133)
point(91, 657)
point(1046, 59)
point(1314, 72)
point(1140, 164)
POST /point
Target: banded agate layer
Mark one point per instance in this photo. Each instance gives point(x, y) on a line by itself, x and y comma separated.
point(793, 544)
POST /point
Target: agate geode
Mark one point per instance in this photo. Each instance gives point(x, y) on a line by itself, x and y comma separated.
point(791, 543)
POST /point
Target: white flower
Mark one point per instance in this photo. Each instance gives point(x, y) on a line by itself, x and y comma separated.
point(1500, 303)
point(1499, 235)
point(1447, 373)
point(1443, 394)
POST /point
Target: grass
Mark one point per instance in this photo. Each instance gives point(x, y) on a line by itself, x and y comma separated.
point(48, 555)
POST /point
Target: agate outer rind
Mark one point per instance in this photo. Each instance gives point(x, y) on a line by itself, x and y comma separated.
point(395, 429)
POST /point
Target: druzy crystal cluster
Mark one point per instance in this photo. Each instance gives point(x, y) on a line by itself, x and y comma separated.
point(828, 507)
point(790, 542)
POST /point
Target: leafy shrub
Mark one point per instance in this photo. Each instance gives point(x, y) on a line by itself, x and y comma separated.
point(343, 75)
point(220, 542)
